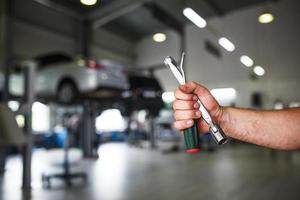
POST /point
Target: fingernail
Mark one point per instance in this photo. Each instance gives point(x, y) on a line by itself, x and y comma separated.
point(198, 113)
point(189, 122)
point(195, 98)
point(196, 105)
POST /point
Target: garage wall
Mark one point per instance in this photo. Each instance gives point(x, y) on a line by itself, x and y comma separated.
point(274, 46)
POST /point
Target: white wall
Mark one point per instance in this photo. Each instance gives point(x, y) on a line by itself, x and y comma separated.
point(274, 46)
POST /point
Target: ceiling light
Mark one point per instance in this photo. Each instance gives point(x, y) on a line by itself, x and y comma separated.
point(88, 2)
point(247, 61)
point(159, 37)
point(265, 18)
point(226, 44)
point(259, 71)
point(194, 17)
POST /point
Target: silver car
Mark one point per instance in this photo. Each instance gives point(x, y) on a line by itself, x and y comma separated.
point(59, 75)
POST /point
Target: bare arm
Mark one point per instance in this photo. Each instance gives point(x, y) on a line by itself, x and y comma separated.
point(274, 129)
point(279, 129)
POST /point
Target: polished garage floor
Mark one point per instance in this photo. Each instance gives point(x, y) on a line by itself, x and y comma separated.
point(234, 172)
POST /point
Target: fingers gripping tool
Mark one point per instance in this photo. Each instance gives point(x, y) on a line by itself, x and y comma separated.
point(191, 134)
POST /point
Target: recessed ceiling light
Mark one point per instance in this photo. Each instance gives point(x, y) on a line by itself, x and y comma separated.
point(159, 37)
point(194, 17)
point(226, 44)
point(88, 2)
point(247, 61)
point(259, 71)
point(265, 18)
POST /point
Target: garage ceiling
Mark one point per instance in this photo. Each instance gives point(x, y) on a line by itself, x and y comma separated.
point(139, 22)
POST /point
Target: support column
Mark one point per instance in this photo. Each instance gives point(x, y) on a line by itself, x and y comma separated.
point(7, 46)
point(5, 58)
point(84, 38)
point(89, 131)
point(27, 149)
point(152, 131)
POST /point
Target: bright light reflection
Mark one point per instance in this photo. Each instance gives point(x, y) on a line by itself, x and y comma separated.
point(20, 121)
point(294, 104)
point(14, 105)
point(168, 97)
point(111, 169)
point(40, 117)
point(224, 95)
point(141, 116)
point(110, 120)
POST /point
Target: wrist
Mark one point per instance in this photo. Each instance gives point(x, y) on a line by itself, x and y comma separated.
point(224, 118)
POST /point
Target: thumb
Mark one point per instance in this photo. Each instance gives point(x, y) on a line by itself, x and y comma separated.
point(189, 87)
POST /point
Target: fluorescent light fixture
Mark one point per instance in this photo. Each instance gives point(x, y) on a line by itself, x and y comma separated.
point(159, 37)
point(265, 18)
point(259, 71)
point(194, 17)
point(168, 97)
point(226, 44)
point(247, 61)
point(225, 96)
point(88, 2)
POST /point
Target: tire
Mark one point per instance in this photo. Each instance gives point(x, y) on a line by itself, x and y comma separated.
point(67, 92)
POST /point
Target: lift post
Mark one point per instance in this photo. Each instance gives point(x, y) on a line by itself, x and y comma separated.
point(88, 130)
point(29, 70)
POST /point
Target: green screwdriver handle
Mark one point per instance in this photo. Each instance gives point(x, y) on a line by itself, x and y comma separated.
point(191, 138)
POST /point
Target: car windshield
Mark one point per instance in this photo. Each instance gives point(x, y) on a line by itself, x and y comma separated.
point(52, 59)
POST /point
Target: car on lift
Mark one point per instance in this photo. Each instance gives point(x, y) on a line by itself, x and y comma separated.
point(144, 93)
point(66, 79)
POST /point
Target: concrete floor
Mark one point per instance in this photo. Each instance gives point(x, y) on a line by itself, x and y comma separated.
point(239, 172)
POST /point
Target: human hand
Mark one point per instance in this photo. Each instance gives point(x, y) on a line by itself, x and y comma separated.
point(186, 107)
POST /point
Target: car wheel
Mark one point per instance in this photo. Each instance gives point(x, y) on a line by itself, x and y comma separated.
point(67, 92)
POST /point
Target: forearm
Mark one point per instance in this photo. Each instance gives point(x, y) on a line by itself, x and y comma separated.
point(274, 129)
